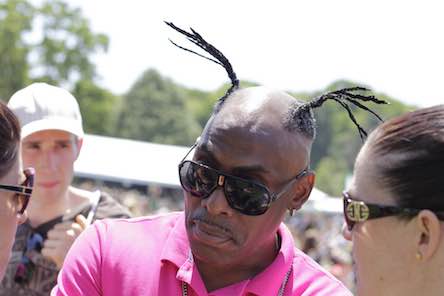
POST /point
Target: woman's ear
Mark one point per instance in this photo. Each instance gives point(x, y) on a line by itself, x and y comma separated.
point(302, 190)
point(429, 235)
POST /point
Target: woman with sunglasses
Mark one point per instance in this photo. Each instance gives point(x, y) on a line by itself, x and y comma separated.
point(13, 197)
point(394, 208)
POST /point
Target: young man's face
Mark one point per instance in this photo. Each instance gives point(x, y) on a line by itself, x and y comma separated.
point(9, 219)
point(52, 153)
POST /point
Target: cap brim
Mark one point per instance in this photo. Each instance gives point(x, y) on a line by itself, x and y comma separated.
point(70, 126)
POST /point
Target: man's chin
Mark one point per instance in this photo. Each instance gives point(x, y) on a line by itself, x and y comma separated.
point(208, 253)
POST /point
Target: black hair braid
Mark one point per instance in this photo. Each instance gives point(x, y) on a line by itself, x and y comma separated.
point(219, 58)
point(299, 112)
point(300, 116)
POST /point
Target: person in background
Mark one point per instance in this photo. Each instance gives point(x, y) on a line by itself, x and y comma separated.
point(394, 208)
point(249, 168)
point(310, 244)
point(15, 185)
point(52, 137)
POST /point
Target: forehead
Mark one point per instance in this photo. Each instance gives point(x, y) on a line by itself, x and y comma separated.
point(49, 135)
point(232, 143)
point(366, 182)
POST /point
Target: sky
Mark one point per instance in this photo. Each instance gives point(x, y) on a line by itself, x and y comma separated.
point(395, 47)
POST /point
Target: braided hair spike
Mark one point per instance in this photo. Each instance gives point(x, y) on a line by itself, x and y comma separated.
point(217, 56)
point(344, 97)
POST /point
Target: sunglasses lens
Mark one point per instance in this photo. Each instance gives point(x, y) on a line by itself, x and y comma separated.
point(247, 197)
point(197, 180)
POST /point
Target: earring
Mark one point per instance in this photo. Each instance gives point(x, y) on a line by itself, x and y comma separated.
point(290, 211)
point(418, 256)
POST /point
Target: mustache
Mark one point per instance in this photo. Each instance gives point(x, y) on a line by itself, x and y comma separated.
point(203, 216)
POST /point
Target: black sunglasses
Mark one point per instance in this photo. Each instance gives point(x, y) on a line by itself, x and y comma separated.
point(358, 211)
point(23, 191)
point(246, 196)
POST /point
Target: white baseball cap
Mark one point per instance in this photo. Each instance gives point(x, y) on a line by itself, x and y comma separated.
point(41, 106)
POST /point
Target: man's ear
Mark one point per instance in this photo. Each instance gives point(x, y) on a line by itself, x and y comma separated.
point(78, 143)
point(428, 234)
point(302, 190)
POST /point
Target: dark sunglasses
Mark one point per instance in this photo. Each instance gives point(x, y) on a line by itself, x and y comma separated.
point(246, 196)
point(358, 211)
point(23, 191)
point(26, 267)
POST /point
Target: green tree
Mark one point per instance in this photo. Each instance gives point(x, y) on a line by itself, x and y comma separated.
point(330, 175)
point(200, 104)
point(49, 41)
point(15, 19)
point(98, 106)
point(67, 43)
point(155, 110)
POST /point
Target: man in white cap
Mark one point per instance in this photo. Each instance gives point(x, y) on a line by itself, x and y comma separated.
point(52, 136)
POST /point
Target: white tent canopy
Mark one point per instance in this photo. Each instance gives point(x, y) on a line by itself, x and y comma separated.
point(129, 162)
point(135, 162)
point(319, 201)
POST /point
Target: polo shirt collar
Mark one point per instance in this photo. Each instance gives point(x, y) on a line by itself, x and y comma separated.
point(269, 281)
point(176, 248)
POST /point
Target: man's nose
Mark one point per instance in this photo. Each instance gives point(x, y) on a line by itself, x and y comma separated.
point(49, 160)
point(217, 203)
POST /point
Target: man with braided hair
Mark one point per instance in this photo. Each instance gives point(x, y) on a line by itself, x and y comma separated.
point(249, 167)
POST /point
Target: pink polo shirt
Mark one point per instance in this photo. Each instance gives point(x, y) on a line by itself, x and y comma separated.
point(150, 256)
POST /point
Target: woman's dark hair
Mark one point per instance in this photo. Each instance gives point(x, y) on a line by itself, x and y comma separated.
point(411, 151)
point(300, 115)
point(9, 139)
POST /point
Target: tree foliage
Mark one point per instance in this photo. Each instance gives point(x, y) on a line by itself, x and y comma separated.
point(67, 43)
point(154, 110)
point(99, 107)
point(15, 19)
point(49, 41)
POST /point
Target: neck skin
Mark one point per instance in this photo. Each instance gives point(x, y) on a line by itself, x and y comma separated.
point(421, 285)
point(427, 281)
point(216, 277)
point(420, 278)
point(41, 212)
